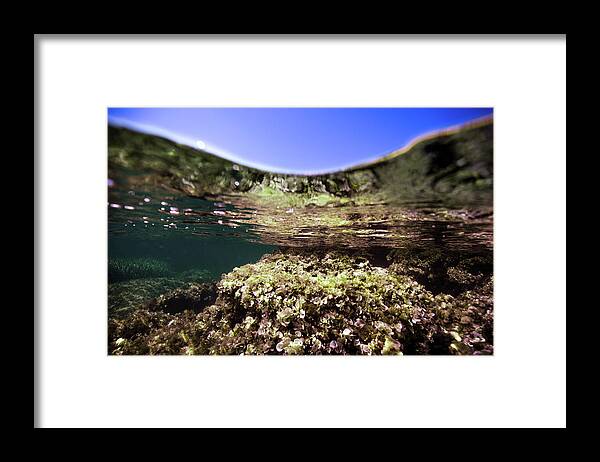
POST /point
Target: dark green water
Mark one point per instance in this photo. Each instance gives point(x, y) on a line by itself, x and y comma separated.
point(185, 233)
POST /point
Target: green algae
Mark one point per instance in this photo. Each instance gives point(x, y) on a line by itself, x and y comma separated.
point(275, 198)
point(123, 269)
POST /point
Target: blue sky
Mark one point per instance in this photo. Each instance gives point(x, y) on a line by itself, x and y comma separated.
point(294, 140)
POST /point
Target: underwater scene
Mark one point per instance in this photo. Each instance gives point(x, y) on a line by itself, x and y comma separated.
point(213, 256)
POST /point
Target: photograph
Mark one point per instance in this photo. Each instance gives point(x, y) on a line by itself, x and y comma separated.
point(300, 231)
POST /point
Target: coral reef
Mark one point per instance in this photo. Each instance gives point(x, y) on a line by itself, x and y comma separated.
point(295, 302)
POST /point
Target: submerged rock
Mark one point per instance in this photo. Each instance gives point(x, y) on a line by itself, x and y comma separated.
point(417, 301)
point(192, 297)
point(452, 167)
point(442, 270)
point(149, 333)
point(127, 296)
point(192, 287)
point(295, 302)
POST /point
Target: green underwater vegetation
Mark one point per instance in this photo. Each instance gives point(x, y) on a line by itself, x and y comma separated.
point(390, 258)
point(306, 302)
point(124, 269)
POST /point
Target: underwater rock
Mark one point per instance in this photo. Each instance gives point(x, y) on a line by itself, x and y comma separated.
point(451, 167)
point(123, 269)
point(130, 335)
point(195, 275)
point(127, 296)
point(441, 270)
point(295, 302)
point(425, 300)
point(136, 334)
point(193, 297)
